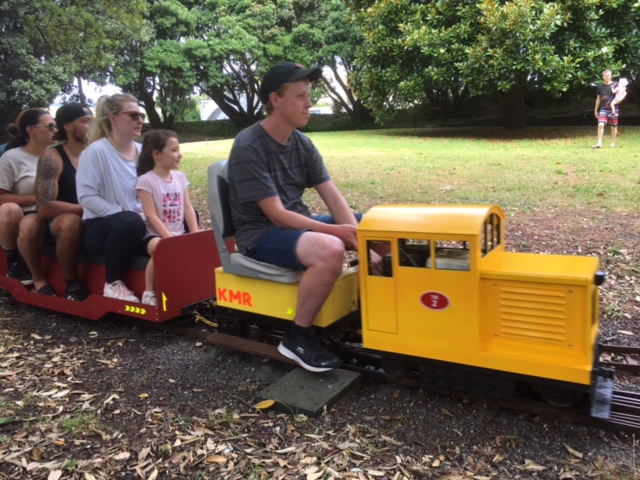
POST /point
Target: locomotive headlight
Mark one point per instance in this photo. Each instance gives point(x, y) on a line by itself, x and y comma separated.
point(600, 278)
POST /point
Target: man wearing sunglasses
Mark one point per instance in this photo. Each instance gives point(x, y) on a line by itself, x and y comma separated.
point(57, 204)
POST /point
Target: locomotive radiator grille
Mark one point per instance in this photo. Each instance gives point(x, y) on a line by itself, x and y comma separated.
point(539, 314)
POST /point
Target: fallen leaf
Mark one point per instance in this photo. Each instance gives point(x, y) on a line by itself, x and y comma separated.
point(54, 475)
point(287, 450)
point(263, 405)
point(216, 459)
point(572, 451)
point(531, 466)
point(112, 397)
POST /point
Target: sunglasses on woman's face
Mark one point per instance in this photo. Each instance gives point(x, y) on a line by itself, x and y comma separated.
point(50, 126)
point(135, 116)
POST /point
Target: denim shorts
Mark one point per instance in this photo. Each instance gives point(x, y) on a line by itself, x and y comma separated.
point(277, 246)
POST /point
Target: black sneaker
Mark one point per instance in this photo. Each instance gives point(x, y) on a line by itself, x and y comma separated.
point(308, 353)
point(76, 292)
point(19, 271)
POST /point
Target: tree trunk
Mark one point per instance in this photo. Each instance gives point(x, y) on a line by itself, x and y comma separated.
point(512, 103)
point(81, 96)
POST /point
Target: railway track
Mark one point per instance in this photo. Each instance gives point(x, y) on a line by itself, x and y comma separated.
point(622, 358)
point(625, 405)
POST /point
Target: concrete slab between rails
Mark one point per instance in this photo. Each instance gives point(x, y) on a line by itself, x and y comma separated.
point(305, 392)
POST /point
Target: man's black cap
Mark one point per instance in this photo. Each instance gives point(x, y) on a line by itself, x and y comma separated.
point(69, 112)
point(285, 72)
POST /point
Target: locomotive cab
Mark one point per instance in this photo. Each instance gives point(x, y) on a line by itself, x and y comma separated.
point(453, 298)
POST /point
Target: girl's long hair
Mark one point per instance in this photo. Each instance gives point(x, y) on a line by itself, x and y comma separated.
point(18, 130)
point(107, 105)
point(153, 141)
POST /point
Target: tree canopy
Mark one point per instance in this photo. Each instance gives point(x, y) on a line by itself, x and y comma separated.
point(384, 55)
point(490, 47)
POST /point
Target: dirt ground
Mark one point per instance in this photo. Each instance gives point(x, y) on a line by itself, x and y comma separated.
point(108, 400)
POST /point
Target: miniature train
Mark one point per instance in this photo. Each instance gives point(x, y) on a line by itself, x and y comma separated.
point(450, 302)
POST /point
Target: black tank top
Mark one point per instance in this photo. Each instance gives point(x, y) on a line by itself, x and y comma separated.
point(67, 180)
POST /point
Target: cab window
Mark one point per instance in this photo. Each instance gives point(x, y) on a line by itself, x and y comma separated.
point(491, 231)
point(382, 248)
point(452, 255)
point(413, 252)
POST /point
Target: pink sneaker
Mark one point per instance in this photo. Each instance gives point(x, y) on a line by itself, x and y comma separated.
point(119, 290)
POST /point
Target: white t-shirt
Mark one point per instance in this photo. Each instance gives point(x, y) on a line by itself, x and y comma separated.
point(169, 199)
point(18, 173)
point(105, 181)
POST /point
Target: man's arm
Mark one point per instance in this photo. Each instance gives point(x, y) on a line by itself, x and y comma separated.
point(283, 218)
point(597, 107)
point(46, 187)
point(336, 203)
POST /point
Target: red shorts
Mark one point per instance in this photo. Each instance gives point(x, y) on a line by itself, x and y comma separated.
point(604, 117)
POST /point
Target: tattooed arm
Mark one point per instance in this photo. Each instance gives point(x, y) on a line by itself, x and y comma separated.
point(46, 187)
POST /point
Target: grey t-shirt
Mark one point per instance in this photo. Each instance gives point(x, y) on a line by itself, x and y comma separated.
point(18, 173)
point(260, 167)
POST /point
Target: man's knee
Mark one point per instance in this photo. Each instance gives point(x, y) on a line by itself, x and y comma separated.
point(31, 228)
point(321, 250)
point(67, 226)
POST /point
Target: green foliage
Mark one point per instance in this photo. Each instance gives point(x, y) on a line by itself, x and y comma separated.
point(155, 68)
point(45, 44)
point(505, 48)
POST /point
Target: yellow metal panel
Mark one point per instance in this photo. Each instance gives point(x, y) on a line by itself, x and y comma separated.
point(563, 269)
point(451, 220)
point(278, 300)
point(379, 309)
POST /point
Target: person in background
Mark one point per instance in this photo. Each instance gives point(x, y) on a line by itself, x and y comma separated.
point(33, 133)
point(59, 220)
point(620, 91)
point(164, 196)
point(270, 166)
point(602, 110)
point(105, 183)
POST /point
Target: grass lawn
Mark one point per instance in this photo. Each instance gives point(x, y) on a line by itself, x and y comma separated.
point(546, 167)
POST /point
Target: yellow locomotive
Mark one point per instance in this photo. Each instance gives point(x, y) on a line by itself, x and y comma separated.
point(452, 301)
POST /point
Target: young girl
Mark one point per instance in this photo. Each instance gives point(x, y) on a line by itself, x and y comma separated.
point(163, 195)
point(621, 91)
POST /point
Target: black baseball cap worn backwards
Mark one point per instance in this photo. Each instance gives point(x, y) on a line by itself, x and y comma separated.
point(69, 112)
point(285, 72)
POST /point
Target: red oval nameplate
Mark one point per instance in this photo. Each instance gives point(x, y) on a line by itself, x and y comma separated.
point(434, 300)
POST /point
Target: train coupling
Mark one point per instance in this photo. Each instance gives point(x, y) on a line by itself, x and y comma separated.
point(602, 392)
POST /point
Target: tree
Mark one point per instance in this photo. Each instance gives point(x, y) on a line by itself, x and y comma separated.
point(155, 68)
point(491, 47)
point(30, 75)
point(623, 18)
point(239, 40)
point(338, 54)
point(45, 44)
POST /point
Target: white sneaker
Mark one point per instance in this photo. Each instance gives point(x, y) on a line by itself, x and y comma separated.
point(149, 298)
point(119, 290)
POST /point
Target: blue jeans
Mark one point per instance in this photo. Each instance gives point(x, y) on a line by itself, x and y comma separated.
point(277, 246)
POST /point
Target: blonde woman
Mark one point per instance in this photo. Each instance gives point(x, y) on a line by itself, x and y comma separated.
point(105, 183)
point(33, 132)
